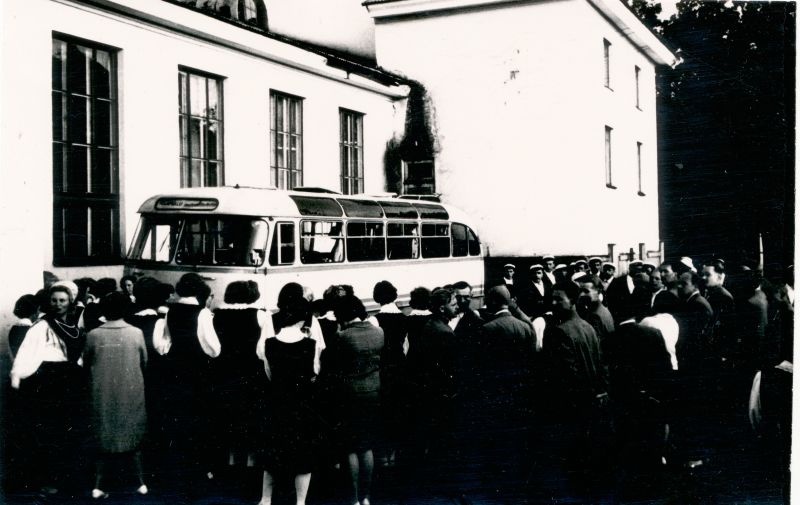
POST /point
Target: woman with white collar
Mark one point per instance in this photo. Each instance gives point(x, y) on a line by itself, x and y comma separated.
point(186, 337)
point(239, 373)
point(291, 363)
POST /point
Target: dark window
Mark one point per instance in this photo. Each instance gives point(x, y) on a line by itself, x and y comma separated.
point(639, 167)
point(200, 117)
point(316, 206)
point(402, 241)
point(460, 242)
point(636, 72)
point(609, 181)
point(435, 240)
point(401, 210)
point(253, 12)
point(365, 241)
point(85, 153)
point(321, 242)
point(361, 208)
point(419, 178)
point(282, 250)
point(201, 240)
point(607, 62)
point(431, 211)
point(351, 148)
point(474, 243)
point(286, 140)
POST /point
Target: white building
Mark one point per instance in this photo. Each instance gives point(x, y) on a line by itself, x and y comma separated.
point(543, 114)
point(105, 103)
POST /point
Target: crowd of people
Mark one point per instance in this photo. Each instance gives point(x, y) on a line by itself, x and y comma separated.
point(562, 382)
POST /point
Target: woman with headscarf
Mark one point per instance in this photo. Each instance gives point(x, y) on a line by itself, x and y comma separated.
point(47, 372)
point(186, 337)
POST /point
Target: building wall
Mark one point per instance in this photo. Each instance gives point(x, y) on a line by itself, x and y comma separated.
point(147, 69)
point(520, 108)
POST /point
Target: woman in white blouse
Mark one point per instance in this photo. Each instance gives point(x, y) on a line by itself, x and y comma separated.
point(187, 339)
point(47, 372)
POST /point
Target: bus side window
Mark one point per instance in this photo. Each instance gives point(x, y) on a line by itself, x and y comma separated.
point(435, 240)
point(365, 241)
point(460, 247)
point(474, 243)
point(321, 242)
point(282, 250)
point(402, 241)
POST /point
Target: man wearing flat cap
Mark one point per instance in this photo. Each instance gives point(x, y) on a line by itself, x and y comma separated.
point(508, 277)
point(535, 299)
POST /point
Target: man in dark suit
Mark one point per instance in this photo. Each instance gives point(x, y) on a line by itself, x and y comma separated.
point(591, 308)
point(535, 299)
point(620, 293)
point(549, 264)
point(504, 352)
point(665, 298)
point(576, 388)
point(721, 301)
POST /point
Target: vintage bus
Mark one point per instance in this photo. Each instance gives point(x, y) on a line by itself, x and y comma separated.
point(315, 239)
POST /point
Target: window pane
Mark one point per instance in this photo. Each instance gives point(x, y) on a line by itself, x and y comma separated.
point(213, 99)
point(58, 167)
point(182, 93)
point(78, 58)
point(214, 176)
point(75, 232)
point(77, 169)
point(184, 173)
point(59, 64)
point(78, 120)
point(101, 172)
point(102, 232)
point(101, 75)
point(321, 242)
point(196, 137)
point(460, 247)
point(213, 139)
point(58, 116)
point(197, 95)
point(196, 174)
point(474, 243)
point(102, 123)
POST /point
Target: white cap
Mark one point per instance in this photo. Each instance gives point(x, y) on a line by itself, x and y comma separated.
point(536, 266)
point(687, 261)
point(509, 265)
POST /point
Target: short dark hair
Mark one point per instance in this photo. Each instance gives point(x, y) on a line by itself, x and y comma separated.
point(693, 276)
point(149, 293)
point(127, 278)
point(298, 310)
point(458, 286)
point(114, 305)
point(570, 289)
point(255, 293)
point(192, 284)
point(439, 298)
point(85, 285)
point(26, 307)
point(289, 294)
point(591, 279)
point(238, 292)
point(104, 286)
point(718, 265)
point(349, 307)
point(384, 292)
point(420, 298)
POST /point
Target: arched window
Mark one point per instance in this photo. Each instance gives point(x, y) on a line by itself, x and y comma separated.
point(253, 12)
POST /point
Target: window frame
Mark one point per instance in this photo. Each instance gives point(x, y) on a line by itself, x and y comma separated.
point(364, 238)
point(85, 199)
point(608, 157)
point(639, 168)
point(186, 114)
point(342, 238)
point(446, 237)
point(275, 171)
point(277, 244)
point(607, 63)
point(351, 182)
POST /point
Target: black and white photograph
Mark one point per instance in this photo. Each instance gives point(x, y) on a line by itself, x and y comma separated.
point(397, 252)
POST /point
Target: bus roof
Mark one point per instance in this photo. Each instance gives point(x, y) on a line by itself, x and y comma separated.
point(251, 201)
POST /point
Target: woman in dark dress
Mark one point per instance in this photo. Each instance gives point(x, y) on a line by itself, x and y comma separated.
point(239, 374)
point(393, 323)
point(187, 339)
point(355, 358)
point(150, 295)
point(289, 359)
point(46, 371)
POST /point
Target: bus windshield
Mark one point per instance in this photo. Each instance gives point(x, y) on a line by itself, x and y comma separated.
point(200, 240)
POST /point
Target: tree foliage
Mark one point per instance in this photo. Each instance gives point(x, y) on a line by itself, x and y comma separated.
point(726, 127)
